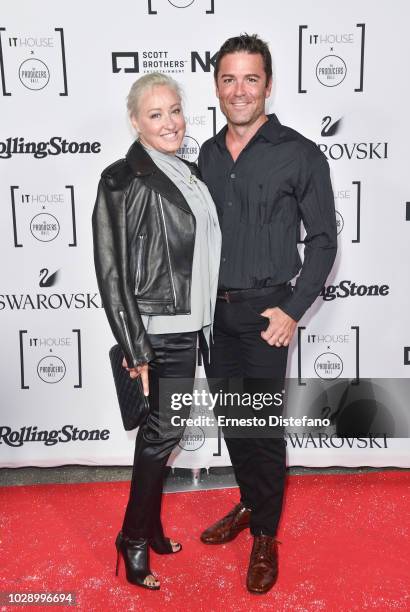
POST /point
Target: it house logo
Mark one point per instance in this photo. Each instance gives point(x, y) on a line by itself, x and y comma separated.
point(328, 355)
point(331, 58)
point(158, 6)
point(43, 217)
point(31, 62)
point(50, 359)
point(348, 203)
point(335, 147)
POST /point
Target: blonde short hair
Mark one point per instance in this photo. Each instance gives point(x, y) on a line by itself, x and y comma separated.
point(140, 86)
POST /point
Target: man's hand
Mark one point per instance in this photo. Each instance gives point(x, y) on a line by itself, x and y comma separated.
point(140, 370)
point(281, 327)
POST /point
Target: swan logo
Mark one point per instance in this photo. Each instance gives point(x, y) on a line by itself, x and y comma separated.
point(44, 227)
point(189, 149)
point(46, 279)
point(328, 366)
point(51, 369)
point(331, 70)
point(192, 439)
point(19, 56)
point(152, 5)
point(329, 127)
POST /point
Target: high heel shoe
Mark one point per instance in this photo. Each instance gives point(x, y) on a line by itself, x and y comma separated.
point(135, 555)
point(162, 545)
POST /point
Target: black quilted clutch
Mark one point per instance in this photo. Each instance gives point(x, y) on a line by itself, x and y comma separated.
point(134, 405)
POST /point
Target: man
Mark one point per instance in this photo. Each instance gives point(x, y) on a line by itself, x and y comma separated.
point(264, 178)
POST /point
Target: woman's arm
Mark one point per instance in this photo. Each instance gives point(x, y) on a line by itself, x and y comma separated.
point(111, 266)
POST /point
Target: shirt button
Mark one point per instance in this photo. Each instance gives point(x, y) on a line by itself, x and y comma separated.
point(229, 203)
point(223, 259)
point(233, 175)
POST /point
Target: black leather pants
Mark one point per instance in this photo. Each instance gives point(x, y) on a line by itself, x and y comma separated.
point(175, 358)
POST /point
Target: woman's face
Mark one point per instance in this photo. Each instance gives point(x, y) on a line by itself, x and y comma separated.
point(160, 121)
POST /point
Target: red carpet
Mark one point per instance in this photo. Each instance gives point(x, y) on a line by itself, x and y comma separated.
point(345, 547)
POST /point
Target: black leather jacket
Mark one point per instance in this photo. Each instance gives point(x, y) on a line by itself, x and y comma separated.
point(144, 235)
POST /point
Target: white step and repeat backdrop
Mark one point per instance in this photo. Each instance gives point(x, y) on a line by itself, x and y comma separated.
point(66, 69)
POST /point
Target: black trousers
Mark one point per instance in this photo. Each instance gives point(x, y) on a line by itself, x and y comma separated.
point(238, 351)
point(157, 437)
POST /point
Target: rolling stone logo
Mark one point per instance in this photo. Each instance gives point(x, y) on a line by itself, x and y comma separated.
point(328, 355)
point(50, 359)
point(156, 6)
point(331, 58)
point(43, 217)
point(33, 62)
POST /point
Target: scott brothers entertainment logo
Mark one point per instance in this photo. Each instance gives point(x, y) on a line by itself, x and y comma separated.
point(57, 145)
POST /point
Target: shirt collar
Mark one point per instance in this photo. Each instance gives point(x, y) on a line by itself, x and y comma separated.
point(269, 131)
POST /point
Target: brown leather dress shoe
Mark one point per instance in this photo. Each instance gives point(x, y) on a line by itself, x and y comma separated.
point(228, 527)
point(263, 564)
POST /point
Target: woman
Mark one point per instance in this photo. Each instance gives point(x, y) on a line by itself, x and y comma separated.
point(156, 250)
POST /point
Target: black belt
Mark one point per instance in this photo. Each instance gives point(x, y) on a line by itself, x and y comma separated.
point(240, 295)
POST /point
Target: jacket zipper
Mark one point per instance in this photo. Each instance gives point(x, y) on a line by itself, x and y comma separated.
point(166, 242)
point(141, 239)
point(127, 335)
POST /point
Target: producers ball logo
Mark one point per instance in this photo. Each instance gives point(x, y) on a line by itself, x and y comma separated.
point(44, 227)
point(329, 366)
point(189, 149)
point(193, 438)
point(331, 58)
point(33, 61)
point(331, 70)
point(155, 6)
point(34, 74)
point(339, 222)
point(47, 216)
point(181, 3)
point(51, 369)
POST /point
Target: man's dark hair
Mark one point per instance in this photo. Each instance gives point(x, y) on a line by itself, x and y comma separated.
point(249, 43)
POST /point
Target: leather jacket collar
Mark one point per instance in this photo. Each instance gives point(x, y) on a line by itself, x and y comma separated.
point(143, 167)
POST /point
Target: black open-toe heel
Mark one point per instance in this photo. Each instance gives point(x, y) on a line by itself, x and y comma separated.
point(162, 545)
point(135, 555)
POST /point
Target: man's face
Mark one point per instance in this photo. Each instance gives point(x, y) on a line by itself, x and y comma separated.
point(241, 87)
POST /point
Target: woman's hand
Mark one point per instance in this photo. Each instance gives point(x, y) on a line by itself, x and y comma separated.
point(140, 370)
